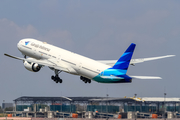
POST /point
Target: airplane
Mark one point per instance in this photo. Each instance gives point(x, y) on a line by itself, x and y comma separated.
point(41, 54)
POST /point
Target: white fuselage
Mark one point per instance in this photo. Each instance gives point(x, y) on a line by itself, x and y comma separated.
point(76, 64)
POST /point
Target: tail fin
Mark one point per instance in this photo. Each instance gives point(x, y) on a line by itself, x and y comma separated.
point(124, 60)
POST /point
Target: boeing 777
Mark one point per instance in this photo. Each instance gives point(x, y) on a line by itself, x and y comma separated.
point(41, 54)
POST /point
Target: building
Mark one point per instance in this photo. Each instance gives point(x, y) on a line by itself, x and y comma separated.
point(6, 105)
point(99, 107)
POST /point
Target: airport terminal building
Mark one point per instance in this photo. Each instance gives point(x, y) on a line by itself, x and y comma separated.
point(96, 107)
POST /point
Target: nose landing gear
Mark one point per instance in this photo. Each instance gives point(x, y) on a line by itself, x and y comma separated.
point(56, 78)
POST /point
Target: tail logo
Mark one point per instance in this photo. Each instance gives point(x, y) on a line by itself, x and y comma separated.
point(124, 60)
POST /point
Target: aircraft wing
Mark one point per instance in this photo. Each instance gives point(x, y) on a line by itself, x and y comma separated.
point(134, 61)
point(145, 77)
point(45, 62)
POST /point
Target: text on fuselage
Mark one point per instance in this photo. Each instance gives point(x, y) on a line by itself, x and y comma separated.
point(40, 46)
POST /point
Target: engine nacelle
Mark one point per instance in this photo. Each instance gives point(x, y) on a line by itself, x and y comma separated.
point(34, 67)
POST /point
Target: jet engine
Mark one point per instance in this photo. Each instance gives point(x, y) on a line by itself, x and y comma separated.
point(33, 67)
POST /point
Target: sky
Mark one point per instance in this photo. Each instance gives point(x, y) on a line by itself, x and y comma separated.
point(98, 29)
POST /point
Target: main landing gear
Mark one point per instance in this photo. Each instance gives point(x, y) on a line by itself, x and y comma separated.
point(86, 80)
point(56, 78)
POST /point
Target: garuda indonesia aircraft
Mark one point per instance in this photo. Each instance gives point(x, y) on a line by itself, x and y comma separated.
point(41, 54)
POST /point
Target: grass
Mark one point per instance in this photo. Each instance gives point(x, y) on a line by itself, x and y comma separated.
point(2, 115)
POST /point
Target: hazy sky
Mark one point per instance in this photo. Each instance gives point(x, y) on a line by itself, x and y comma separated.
point(99, 29)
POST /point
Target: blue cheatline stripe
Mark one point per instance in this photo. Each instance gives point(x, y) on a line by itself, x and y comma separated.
point(121, 66)
point(126, 56)
point(123, 79)
point(114, 72)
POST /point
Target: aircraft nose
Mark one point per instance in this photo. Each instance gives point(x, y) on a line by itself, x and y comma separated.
point(19, 45)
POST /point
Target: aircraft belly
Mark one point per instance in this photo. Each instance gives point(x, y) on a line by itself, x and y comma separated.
point(73, 71)
point(87, 73)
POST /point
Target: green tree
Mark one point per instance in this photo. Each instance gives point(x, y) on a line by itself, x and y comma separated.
point(9, 109)
point(1, 110)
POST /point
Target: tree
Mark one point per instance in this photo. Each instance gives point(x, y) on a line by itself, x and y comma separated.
point(1, 110)
point(9, 109)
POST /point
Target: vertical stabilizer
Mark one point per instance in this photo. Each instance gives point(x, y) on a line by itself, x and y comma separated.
point(124, 60)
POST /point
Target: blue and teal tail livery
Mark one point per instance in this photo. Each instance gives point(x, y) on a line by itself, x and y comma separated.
point(124, 60)
point(117, 73)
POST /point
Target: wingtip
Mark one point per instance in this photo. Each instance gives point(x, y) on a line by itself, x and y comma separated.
point(159, 77)
point(6, 54)
point(170, 55)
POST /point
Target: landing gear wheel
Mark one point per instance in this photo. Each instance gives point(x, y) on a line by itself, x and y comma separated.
point(56, 78)
point(85, 80)
point(60, 81)
point(52, 77)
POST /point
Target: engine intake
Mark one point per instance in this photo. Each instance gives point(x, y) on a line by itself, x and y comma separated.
point(34, 67)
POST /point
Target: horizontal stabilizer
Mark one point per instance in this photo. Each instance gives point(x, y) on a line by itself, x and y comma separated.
point(145, 77)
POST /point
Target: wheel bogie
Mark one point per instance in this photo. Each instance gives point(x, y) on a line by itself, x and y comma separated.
point(56, 79)
point(85, 80)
